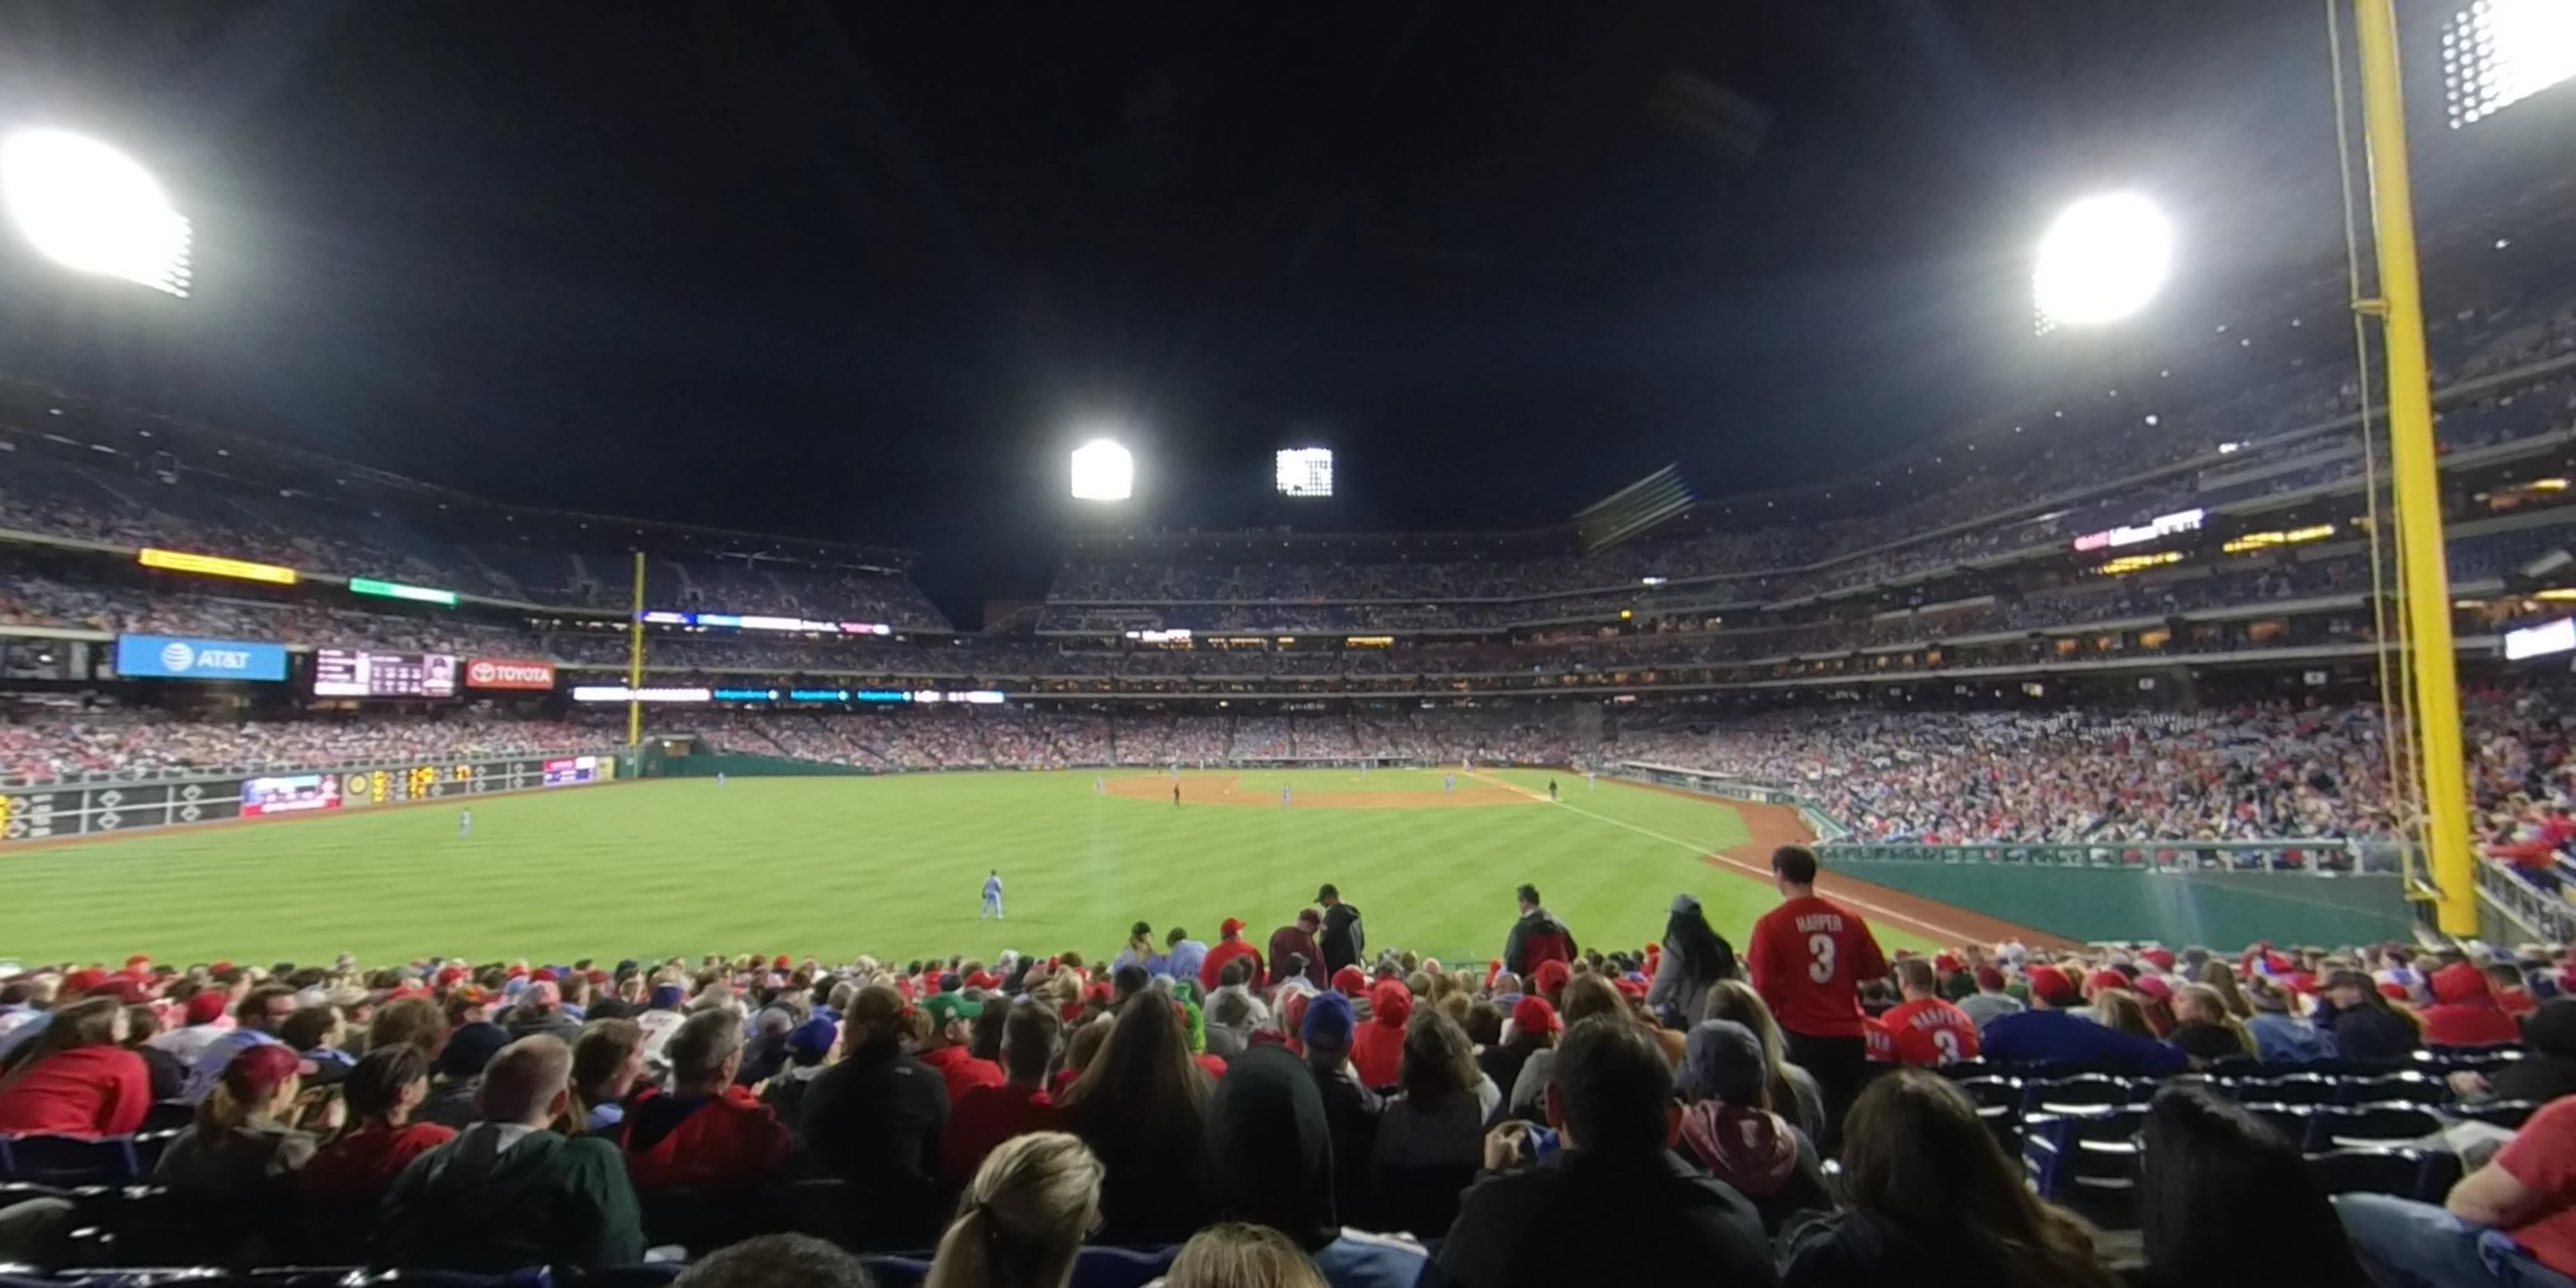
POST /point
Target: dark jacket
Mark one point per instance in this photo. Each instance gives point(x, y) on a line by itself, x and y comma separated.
point(2056, 1037)
point(1858, 1248)
point(1537, 937)
point(1579, 1218)
point(1290, 942)
point(548, 1199)
point(1350, 1114)
point(1342, 941)
point(874, 1119)
point(2537, 1078)
point(2207, 1042)
point(2369, 1032)
point(1694, 957)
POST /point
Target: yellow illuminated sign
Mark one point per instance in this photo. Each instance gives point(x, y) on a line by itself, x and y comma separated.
point(2291, 537)
point(2127, 564)
point(215, 566)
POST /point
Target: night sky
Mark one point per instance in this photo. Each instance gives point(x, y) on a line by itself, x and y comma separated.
point(867, 272)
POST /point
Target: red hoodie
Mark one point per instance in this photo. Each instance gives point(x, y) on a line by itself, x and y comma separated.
point(1377, 1048)
point(728, 1144)
point(962, 1071)
point(2464, 1010)
point(85, 1091)
point(1225, 951)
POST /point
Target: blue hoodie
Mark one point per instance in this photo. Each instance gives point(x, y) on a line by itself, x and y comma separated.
point(2057, 1037)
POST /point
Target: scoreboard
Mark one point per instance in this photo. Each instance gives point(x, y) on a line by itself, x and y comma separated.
point(342, 673)
point(90, 809)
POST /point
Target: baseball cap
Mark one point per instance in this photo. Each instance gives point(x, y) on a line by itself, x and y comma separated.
point(2052, 986)
point(666, 997)
point(1328, 891)
point(1230, 926)
point(1534, 1015)
point(84, 981)
point(1723, 1059)
point(259, 1071)
point(809, 1042)
point(952, 1006)
point(1350, 981)
point(1328, 1023)
point(206, 1007)
point(2155, 986)
point(1990, 978)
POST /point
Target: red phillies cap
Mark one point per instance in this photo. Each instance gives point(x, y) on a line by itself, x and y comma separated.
point(2052, 986)
point(1949, 963)
point(779, 962)
point(544, 975)
point(2155, 986)
point(1230, 926)
point(2102, 979)
point(206, 1007)
point(2160, 958)
point(259, 1071)
point(84, 981)
point(1534, 1015)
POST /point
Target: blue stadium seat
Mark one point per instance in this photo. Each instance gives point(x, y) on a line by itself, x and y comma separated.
point(2405, 1087)
point(1121, 1267)
point(69, 1160)
point(2076, 1093)
point(2086, 1161)
point(2508, 1114)
point(2301, 1088)
point(2332, 1127)
point(2289, 1120)
point(2368, 1171)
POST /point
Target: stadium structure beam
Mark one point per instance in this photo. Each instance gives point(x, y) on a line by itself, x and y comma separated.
point(635, 658)
point(2413, 470)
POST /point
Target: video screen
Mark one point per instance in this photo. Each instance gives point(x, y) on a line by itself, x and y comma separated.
point(292, 794)
point(341, 673)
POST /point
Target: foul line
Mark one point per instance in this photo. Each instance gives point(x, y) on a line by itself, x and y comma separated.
point(1947, 934)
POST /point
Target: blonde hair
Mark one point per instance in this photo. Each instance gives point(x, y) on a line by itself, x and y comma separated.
point(2218, 978)
point(1232, 1254)
point(1023, 1217)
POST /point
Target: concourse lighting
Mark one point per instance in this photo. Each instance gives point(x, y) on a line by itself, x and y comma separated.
point(1103, 471)
point(2101, 261)
point(90, 207)
point(2500, 52)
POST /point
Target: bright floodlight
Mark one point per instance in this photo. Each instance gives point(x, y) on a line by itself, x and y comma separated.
point(1306, 471)
point(2500, 52)
point(1102, 471)
point(92, 208)
point(2101, 261)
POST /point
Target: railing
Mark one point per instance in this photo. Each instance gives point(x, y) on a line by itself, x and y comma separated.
point(176, 774)
point(2543, 916)
point(2319, 856)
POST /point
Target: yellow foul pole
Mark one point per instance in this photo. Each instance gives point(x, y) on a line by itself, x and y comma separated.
point(2427, 593)
point(635, 659)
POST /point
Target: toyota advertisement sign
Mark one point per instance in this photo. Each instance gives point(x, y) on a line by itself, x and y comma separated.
point(508, 673)
point(167, 657)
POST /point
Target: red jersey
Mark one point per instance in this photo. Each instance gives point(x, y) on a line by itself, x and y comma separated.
point(1880, 1042)
point(961, 1071)
point(1808, 958)
point(1931, 1032)
point(1225, 951)
point(984, 1118)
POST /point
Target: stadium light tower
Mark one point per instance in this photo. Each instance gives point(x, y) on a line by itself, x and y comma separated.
point(1103, 471)
point(2500, 52)
point(2101, 260)
point(90, 207)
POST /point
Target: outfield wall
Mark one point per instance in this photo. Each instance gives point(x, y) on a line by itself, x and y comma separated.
point(2224, 894)
point(67, 810)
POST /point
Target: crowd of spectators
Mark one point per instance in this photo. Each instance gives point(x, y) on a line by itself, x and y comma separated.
point(48, 741)
point(1326, 1113)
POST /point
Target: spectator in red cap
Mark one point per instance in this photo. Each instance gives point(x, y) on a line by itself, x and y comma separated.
point(1229, 945)
point(242, 1140)
point(256, 1019)
point(379, 1139)
point(2053, 1031)
point(1990, 1000)
point(1549, 980)
point(75, 1077)
point(1292, 942)
point(2464, 1010)
point(1533, 1029)
point(1377, 1050)
point(1351, 982)
point(707, 1135)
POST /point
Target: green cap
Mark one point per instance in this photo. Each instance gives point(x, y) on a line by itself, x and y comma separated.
point(944, 1007)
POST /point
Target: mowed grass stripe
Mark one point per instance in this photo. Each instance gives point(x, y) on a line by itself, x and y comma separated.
point(839, 866)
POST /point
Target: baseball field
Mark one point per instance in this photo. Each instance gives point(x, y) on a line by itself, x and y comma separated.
point(894, 867)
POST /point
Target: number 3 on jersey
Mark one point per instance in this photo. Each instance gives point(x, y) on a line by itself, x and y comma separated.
point(1821, 949)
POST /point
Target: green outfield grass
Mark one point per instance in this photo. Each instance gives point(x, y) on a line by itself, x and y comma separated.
point(890, 866)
